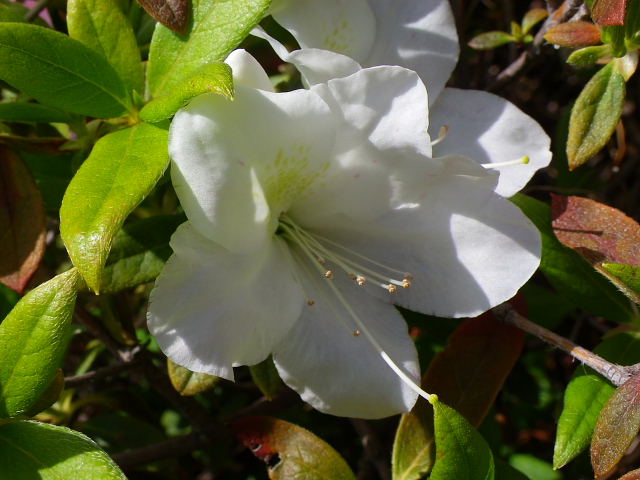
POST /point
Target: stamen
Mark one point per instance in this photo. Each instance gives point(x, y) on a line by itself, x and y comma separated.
point(328, 274)
point(356, 333)
point(392, 288)
point(360, 280)
point(442, 133)
point(311, 302)
point(520, 161)
point(406, 283)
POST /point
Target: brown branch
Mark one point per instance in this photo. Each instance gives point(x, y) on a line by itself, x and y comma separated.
point(100, 373)
point(565, 12)
point(616, 374)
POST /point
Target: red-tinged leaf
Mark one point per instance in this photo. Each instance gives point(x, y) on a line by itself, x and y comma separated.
point(469, 372)
point(22, 222)
point(608, 13)
point(574, 34)
point(617, 426)
point(291, 451)
point(634, 475)
point(173, 14)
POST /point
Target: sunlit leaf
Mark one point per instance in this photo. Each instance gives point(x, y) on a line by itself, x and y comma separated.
point(569, 273)
point(414, 444)
point(216, 29)
point(595, 115)
point(589, 55)
point(189, 383)
point(291, 451)
point(60, 71)
point(573, 34)
point(627, 276)
point(22, 222)
point(617, 426)
point(211, 78)
point(33, 450)
point(49, 396)
point(461, 452)
point(33, 339)
point(585, 395)
point(103, 27)
point(468, 374)
point(490, 40)
point(122, 169)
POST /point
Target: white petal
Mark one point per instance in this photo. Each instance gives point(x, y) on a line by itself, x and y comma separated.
point(342, 26)
point(238, 164)
point(342, 374)
point(383, 112)
point(247, 71)
point(211, 309)
point(489, 129)
point(467, 248)
point(419, 35)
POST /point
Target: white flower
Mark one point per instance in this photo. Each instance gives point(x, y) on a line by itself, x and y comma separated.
point(419, 35)
point(310, 214)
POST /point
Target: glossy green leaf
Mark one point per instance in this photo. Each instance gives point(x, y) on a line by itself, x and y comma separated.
point(211, 78)
point(49, 396)
point(461, 452)
point(38, 451)
point(103, 27)
point(60, 71)
point(33, 339)
point(627, 275)
point(266, 377)
point(414, 444)
point(22, 222)
point(618, 425)
point(301, 454)
point(215, 30)
point(569, 273)
point(139, 252)
point(587, 56)
point(585, 395)
point(490, 40)
point(31, 112)
point(189, 383)
point(122, 169)
point(595, 115)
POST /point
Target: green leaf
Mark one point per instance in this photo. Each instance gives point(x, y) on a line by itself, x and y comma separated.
point(266, 377)
point(33, 339)
point(532, 18)
point(301, 453)
point(49, 396)
point(215, 30)
point(490, 40)
point(569, 273)
point(31, 112)
point(627, 275)
point(38, 451)
point(60, 71)
point(22, 222)
point(189, 383)
point(585, 395)
point(504, 471)
point(595, 115)
point(461, 452)
point(414, 444)
point(587, 56)
point(121, 170)
point(617, 426)
point(533, 467)
point(139, 252)
point(103, 27)
point(8, 14)
point(211, 78)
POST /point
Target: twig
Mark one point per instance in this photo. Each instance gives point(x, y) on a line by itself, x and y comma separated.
point(100, 373)
point(567, 10)
point(616, 374)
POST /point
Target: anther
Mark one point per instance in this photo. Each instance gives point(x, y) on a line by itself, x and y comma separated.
point(408, 276)
point(392, 288)
point(311, 302)
point(406, 283)
point(360, 280)
point(356, 333)
point(441, 135)
point(328, 274)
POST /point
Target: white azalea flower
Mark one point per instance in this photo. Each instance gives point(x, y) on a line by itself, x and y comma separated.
point(419, 35)
point(310, 214)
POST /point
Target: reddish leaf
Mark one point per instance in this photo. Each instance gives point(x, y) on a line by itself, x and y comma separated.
point(173, 14)
point(598, 232)
point(608, 13)
point(22, 222)
point(470, 371)
point(574, 34)
point(634, 475)
point(617, 427)
point(290, 451)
